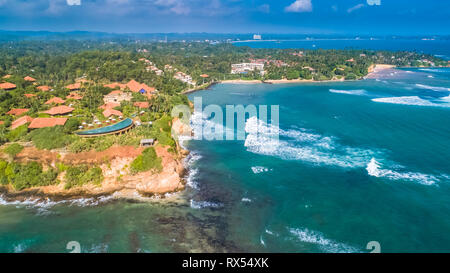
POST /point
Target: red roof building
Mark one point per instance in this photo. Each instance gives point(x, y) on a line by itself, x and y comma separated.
point(204, 75)
point(55, 100)
point(134, 86)
point(44, 88)
point(29, 79)
point(115, 85)
point(74, 86)
point(2, 122)
point(7, 86)
point(74, 96)
point(141, 104)
point(46, 122)
point(21, 121)
point(111, 112)
point(109, 105)
point(59, 110)
point(7, 76)
point(17, 111)
point(29, 95)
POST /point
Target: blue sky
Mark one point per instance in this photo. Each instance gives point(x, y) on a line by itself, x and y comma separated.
point(399, 17)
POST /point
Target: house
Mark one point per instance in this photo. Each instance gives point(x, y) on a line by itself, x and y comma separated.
point(46, 122)
point(111, 112)
point(142, 104)
point(204, 75)
point(21, 121)
point(115, 85)
point(29, 79)
point(74, 86)
point(183, 77)
point(29, 95)
point(244, 68)
point(44, 88)
point(60, 110)
point(117, 96)
point(134, 86)
point(74, 96)
point(7, 86)
point(55, 100)
point(17, 112)
point(109, 105)
point(147, 142)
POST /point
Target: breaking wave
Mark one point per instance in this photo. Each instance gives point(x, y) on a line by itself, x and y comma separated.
point(317, 238)
point(409, 100)
point(374, 168)
point(434, 88)
point(349, 92)
point(259, 169)
point(267, 139)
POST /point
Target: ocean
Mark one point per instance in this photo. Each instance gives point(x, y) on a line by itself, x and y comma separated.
point(356, 162)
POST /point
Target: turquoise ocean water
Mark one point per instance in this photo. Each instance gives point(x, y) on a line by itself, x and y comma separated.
point(356, 162)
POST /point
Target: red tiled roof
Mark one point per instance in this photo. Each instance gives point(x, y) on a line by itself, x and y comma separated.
point(46, 122)
point(204, 75)
point(60, 110)
point(109, 105)
point(115, 85)
point(74, 96)
point(141, 104)
point(43, 88)
point(29, 79)
point(21, 121)
point(111, 112)
point(55, 100)
point(134, 86)
point(115, 92)
point(17, 111)
point(74, 86)
point(29, 95)
point(147, 88)
point(7, 86)
point(7, 76)
point(2, 122)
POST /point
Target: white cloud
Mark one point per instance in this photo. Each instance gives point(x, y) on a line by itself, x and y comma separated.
point(374, 2)
point(73, 2)
point(175, 6)
point(300, 6)
point(352, 9)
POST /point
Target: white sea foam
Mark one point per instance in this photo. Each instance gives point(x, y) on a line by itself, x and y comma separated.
point(374, 168)
point(302, 146)
point(204, 204)
point(317, 238)
point(192, 173)
point(42, 205)
point(349, 92)
point(436, 70)
point(245, 199)
point(409, 100)
point(434, 88)
point(259, 169)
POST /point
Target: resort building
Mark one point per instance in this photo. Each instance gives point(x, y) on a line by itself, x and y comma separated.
point(74, 96)
point(17, 111)
point(60, 110)
point(244, 68)
point(21, 121)
point(46, 122)
point(29, 79)
point(44, 88)
point(147, 142)
point(75, 86)
point(7, 86)
point(183, 77)
point(109, 105)
point(55, 100)
point(111, 112)
point(117, 96)
point(115, 85)
point(142, 104)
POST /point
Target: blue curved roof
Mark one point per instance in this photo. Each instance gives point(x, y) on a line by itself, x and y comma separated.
point(108, 129)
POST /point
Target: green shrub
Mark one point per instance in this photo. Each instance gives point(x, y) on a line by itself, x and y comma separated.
point(148, 160)
point(71, 125)
point(17, 133)
point(13, 149)
point(80, 175)
point(50, 138)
